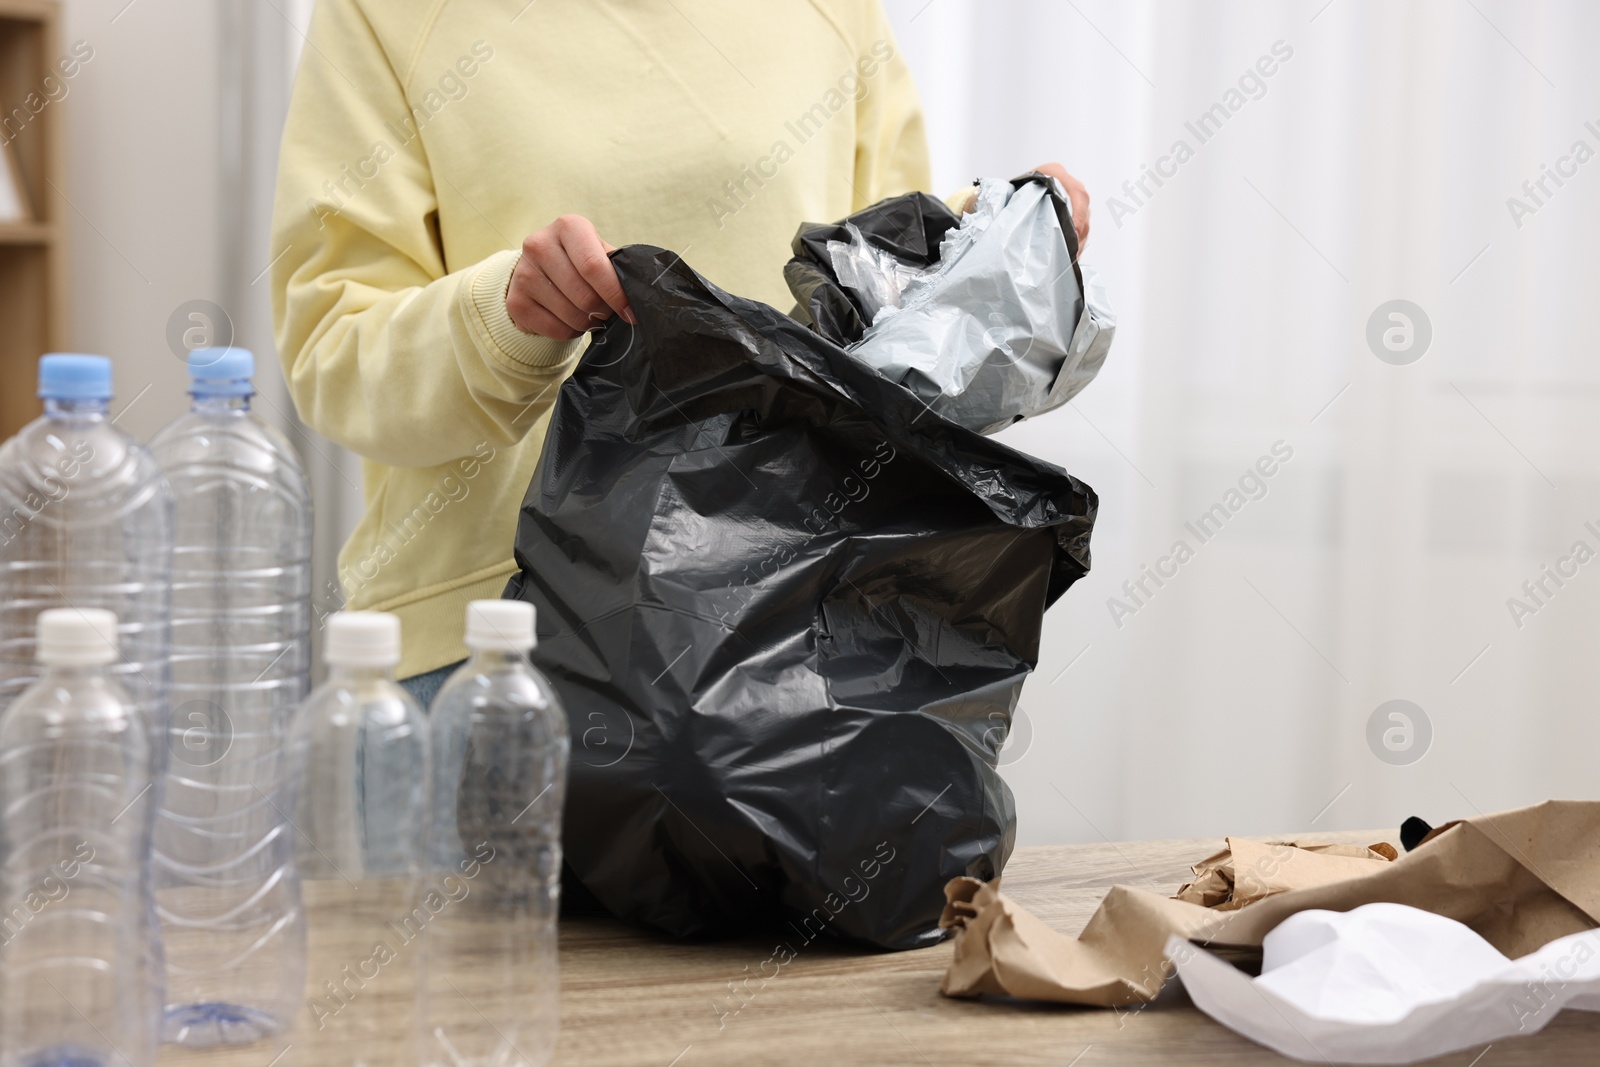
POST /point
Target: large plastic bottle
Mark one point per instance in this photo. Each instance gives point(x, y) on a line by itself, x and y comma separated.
point(86, 522)
point(225, 884)
point(75, 970)
point(491, 985)
point(359, 747)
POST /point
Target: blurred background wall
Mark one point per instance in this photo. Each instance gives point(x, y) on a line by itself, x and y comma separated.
point(1415, 487)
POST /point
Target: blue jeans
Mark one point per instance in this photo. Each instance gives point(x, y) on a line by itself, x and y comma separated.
point(424, 687)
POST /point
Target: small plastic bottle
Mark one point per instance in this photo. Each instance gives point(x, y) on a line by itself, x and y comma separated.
point(491, 983)
point(224, 878)
point(76, 976)
point(359, 752)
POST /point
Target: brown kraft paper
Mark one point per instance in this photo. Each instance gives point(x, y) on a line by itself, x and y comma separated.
point(1519, 878)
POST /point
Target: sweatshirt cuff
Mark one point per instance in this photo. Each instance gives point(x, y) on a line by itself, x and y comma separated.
point(526, 351)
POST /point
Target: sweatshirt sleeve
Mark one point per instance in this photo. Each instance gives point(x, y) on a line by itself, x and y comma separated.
point(385, 352)
point(891, 143)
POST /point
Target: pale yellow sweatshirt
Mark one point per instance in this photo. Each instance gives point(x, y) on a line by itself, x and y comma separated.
point(427, 138)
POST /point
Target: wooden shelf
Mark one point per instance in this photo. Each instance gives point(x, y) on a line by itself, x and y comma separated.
point(32, 260)
point(33, 10)
point(26, 233)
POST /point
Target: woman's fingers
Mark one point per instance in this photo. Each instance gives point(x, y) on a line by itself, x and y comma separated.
point(554, 297)
point(564, 284)
point(1077, 197)
point(586, 255)
point(527, 298)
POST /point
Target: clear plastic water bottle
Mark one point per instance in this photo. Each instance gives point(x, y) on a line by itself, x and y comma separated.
point(86, 522)
point(359, 748)
point(491, 985)
point(225, 884)
point(75, 970)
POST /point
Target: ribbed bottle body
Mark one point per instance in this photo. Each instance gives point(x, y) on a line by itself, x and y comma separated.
point(227, 892)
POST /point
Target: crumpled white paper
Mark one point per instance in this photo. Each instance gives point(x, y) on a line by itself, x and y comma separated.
point(998, 330)
point(1387, 983)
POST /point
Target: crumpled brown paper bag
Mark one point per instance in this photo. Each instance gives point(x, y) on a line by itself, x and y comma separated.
point(1247, 871)
point(1519, 878)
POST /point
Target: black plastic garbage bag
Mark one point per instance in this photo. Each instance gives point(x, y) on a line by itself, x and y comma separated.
point(789, 611)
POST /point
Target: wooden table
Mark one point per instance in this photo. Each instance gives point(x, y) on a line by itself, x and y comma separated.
point(630, 999)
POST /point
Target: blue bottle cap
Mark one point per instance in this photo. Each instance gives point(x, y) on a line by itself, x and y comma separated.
point(221, 372)
point(70, 376)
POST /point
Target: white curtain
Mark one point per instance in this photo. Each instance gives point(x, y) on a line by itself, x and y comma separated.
point(1374, 164)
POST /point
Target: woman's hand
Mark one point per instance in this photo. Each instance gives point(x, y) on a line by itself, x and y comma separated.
point(1077, 196)
point(564, 285)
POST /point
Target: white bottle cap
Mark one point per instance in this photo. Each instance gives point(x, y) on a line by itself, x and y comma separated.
point(363, 639)
point(73, 637)
point(500, 626)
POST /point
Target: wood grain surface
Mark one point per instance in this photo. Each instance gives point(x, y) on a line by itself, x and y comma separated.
point(630, 999)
